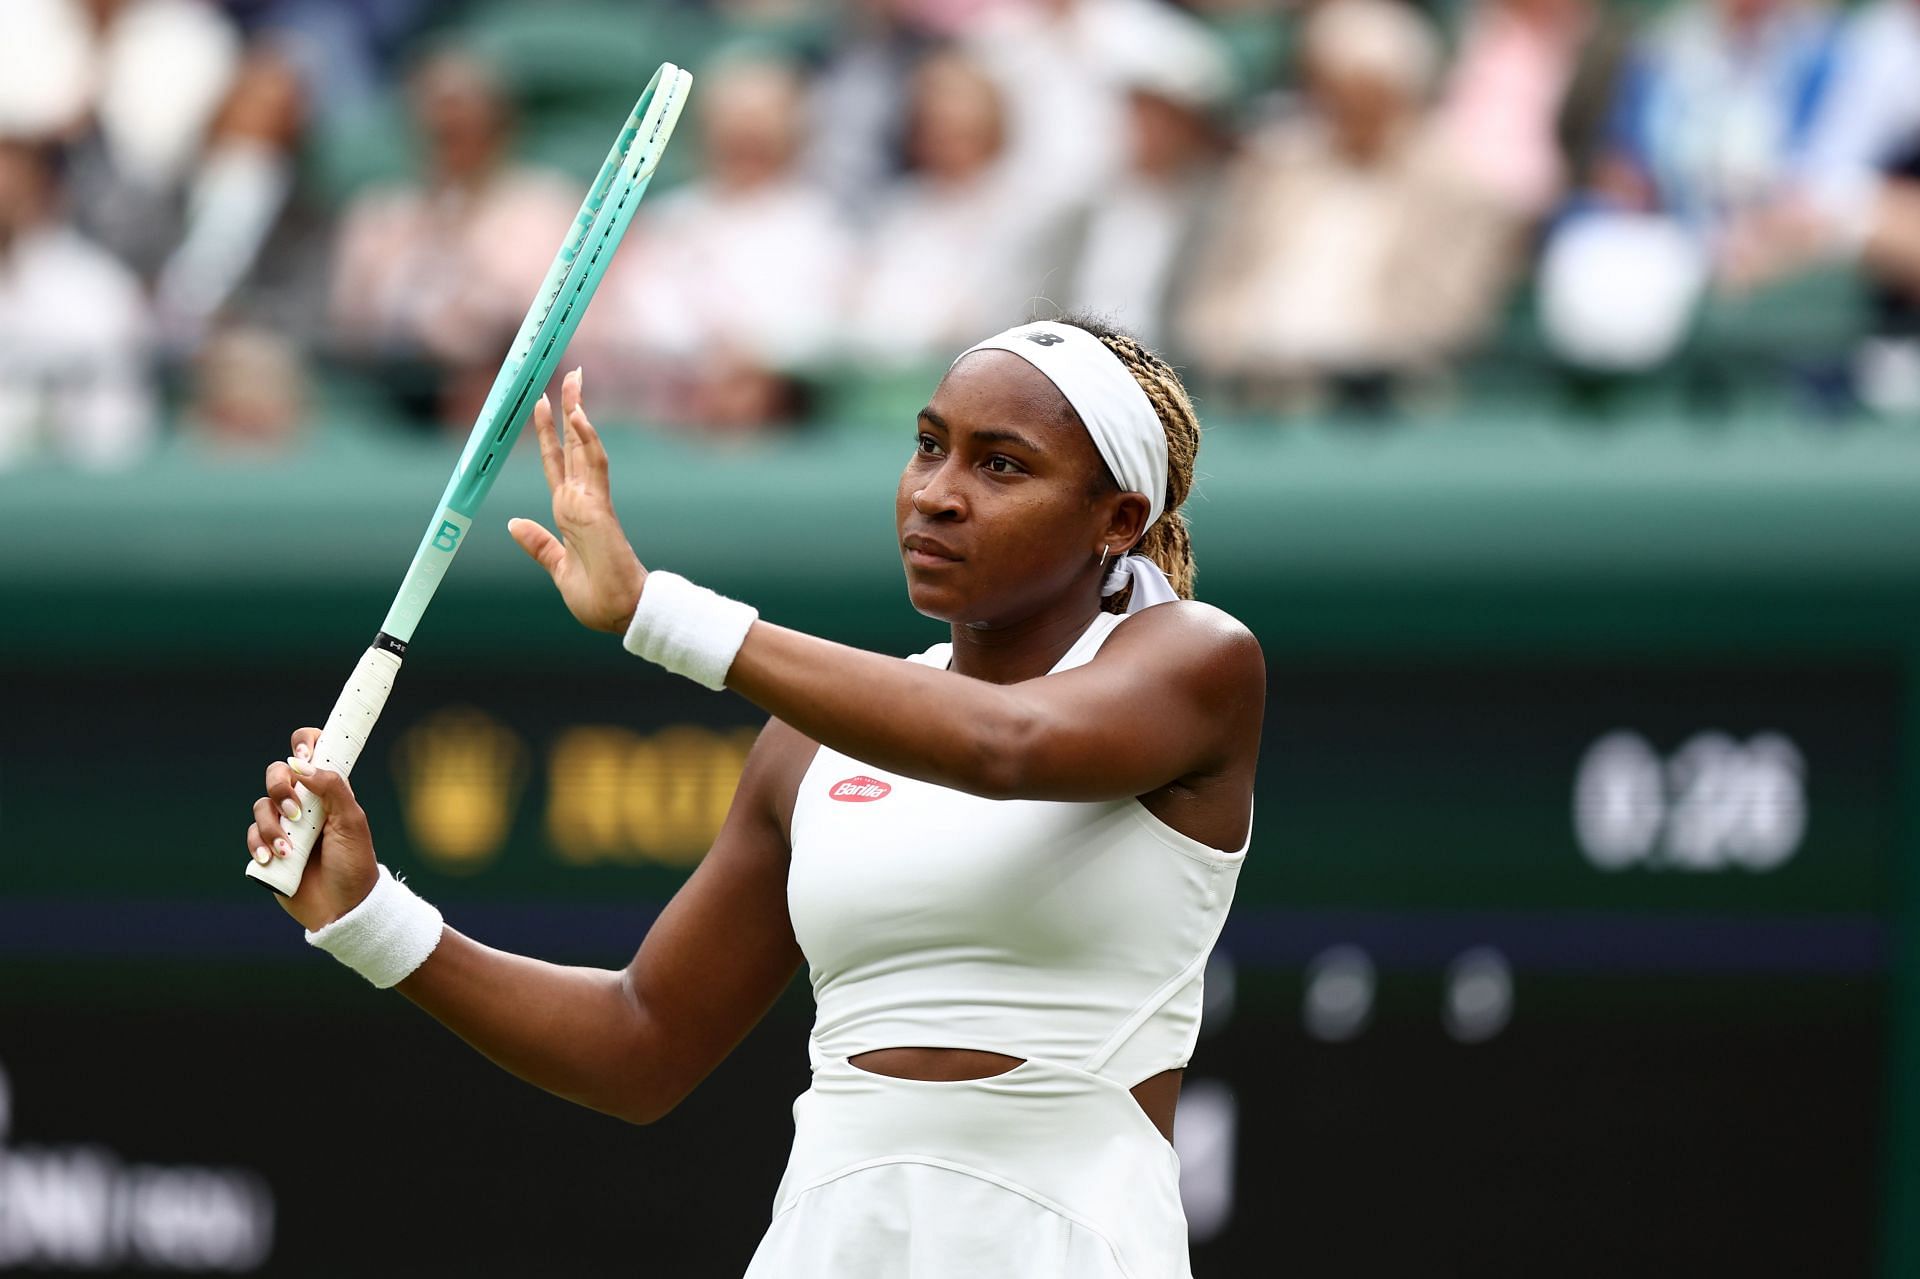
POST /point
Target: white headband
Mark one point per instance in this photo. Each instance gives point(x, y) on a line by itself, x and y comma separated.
point(1119, 417)
point(1118, 414)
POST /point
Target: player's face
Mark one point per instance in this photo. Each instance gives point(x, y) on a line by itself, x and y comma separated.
point(1001, 510)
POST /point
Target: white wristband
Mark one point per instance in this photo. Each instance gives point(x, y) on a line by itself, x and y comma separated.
point(688, 629)
point(386, 936)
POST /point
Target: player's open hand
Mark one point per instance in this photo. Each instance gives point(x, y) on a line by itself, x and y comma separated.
point(341, 870)
point(591, 562)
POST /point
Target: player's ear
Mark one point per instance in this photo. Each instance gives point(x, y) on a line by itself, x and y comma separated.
point(1126, 520)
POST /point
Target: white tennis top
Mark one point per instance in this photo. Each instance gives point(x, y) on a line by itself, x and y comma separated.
point(1067, 932)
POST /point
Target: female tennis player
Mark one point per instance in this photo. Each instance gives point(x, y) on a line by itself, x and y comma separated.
point(1004, 860)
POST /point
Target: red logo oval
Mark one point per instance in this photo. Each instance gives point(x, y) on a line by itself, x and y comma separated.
point(859, 790)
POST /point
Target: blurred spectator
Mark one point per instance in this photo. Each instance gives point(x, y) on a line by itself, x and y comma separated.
point(953, 166)
point(345, 45)
point(249, 393)
point(432, 278)
point(1858, 188)
point(1715, 108)
point(857, 135)
point(1137, 238)
point(1062, 62)
point(1354, 255)
point(959, 246)
point(1501, 109)
point(1585, 124)
point(74, 375)
point(1710, 121)
point(237, 199)
point(1868, 130)
point(128, 86)
point(1857, 195)
point(741, 273)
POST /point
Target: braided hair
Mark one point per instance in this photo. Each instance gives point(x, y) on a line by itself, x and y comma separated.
point(1166, 543)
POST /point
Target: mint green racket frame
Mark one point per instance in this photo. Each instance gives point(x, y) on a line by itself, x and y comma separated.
point(550, 323)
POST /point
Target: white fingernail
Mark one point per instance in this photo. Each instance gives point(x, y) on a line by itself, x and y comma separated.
point(300, 766)
point(282, 847)
point(262, 856)
point(291, 809)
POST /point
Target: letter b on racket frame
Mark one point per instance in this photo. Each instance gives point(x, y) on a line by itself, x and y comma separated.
point(447, 536)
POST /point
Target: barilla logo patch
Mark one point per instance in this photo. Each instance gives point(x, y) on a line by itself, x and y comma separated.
point(859, 790)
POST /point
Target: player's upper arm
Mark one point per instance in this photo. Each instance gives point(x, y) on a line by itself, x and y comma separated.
point(723, 949)
point(1176, 690)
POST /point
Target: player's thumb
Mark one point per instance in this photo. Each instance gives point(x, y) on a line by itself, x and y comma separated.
point(330, 786)
point(345, 820)
point(543, 546)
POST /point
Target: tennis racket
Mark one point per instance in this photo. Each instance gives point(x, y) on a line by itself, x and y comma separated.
point(576, 272)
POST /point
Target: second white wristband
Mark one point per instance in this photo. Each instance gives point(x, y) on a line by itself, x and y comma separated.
point(688, 629)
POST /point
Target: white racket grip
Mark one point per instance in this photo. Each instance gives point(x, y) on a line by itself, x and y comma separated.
point(339, 746)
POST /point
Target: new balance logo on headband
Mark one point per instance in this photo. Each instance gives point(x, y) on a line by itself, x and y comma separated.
point(1046, 339)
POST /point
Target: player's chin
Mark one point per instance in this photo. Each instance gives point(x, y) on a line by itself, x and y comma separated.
point(940, 593)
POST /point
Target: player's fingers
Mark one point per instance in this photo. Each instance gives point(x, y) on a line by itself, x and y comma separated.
point(570, 410)
point(280, 790)
point(552, 463)
point(544, 547)
point(266, 816)
point(592, 460)
point(304, 740)
point(256, 848)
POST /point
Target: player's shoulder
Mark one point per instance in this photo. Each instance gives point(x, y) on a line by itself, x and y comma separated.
point(1189, 620)
point(1195, 635)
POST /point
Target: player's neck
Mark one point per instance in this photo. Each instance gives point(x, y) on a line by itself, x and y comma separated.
point(1021, 650)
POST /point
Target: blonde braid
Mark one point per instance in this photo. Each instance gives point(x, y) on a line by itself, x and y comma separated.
point(1167, 543)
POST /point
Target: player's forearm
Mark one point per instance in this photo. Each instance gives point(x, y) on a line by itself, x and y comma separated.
point(964, 733)
point(575, 1032)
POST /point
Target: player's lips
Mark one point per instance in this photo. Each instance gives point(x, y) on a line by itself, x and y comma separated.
point(924, 552)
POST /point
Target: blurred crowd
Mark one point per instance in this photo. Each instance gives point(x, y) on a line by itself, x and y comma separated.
point(211, 213)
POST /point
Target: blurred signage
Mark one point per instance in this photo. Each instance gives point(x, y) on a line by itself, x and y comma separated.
point(1747, 789)
point(1523, 952)
point(1716, 804)
point(79, 1206)
point(611, 794)
point(459, 774)
point(619, 795)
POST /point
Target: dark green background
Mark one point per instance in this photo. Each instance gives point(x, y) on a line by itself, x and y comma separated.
point(1705, 1071)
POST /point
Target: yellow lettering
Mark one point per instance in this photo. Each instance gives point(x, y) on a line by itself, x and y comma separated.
point(459, 772)
point(618, 796)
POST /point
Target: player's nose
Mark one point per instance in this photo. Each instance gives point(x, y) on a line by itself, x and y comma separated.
point(939, 497)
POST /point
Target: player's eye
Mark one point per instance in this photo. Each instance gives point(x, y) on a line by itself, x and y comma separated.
point(925, 445)
point(1001, 464)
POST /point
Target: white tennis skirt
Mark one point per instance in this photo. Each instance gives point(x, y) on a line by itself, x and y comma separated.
point(1044, 1172)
